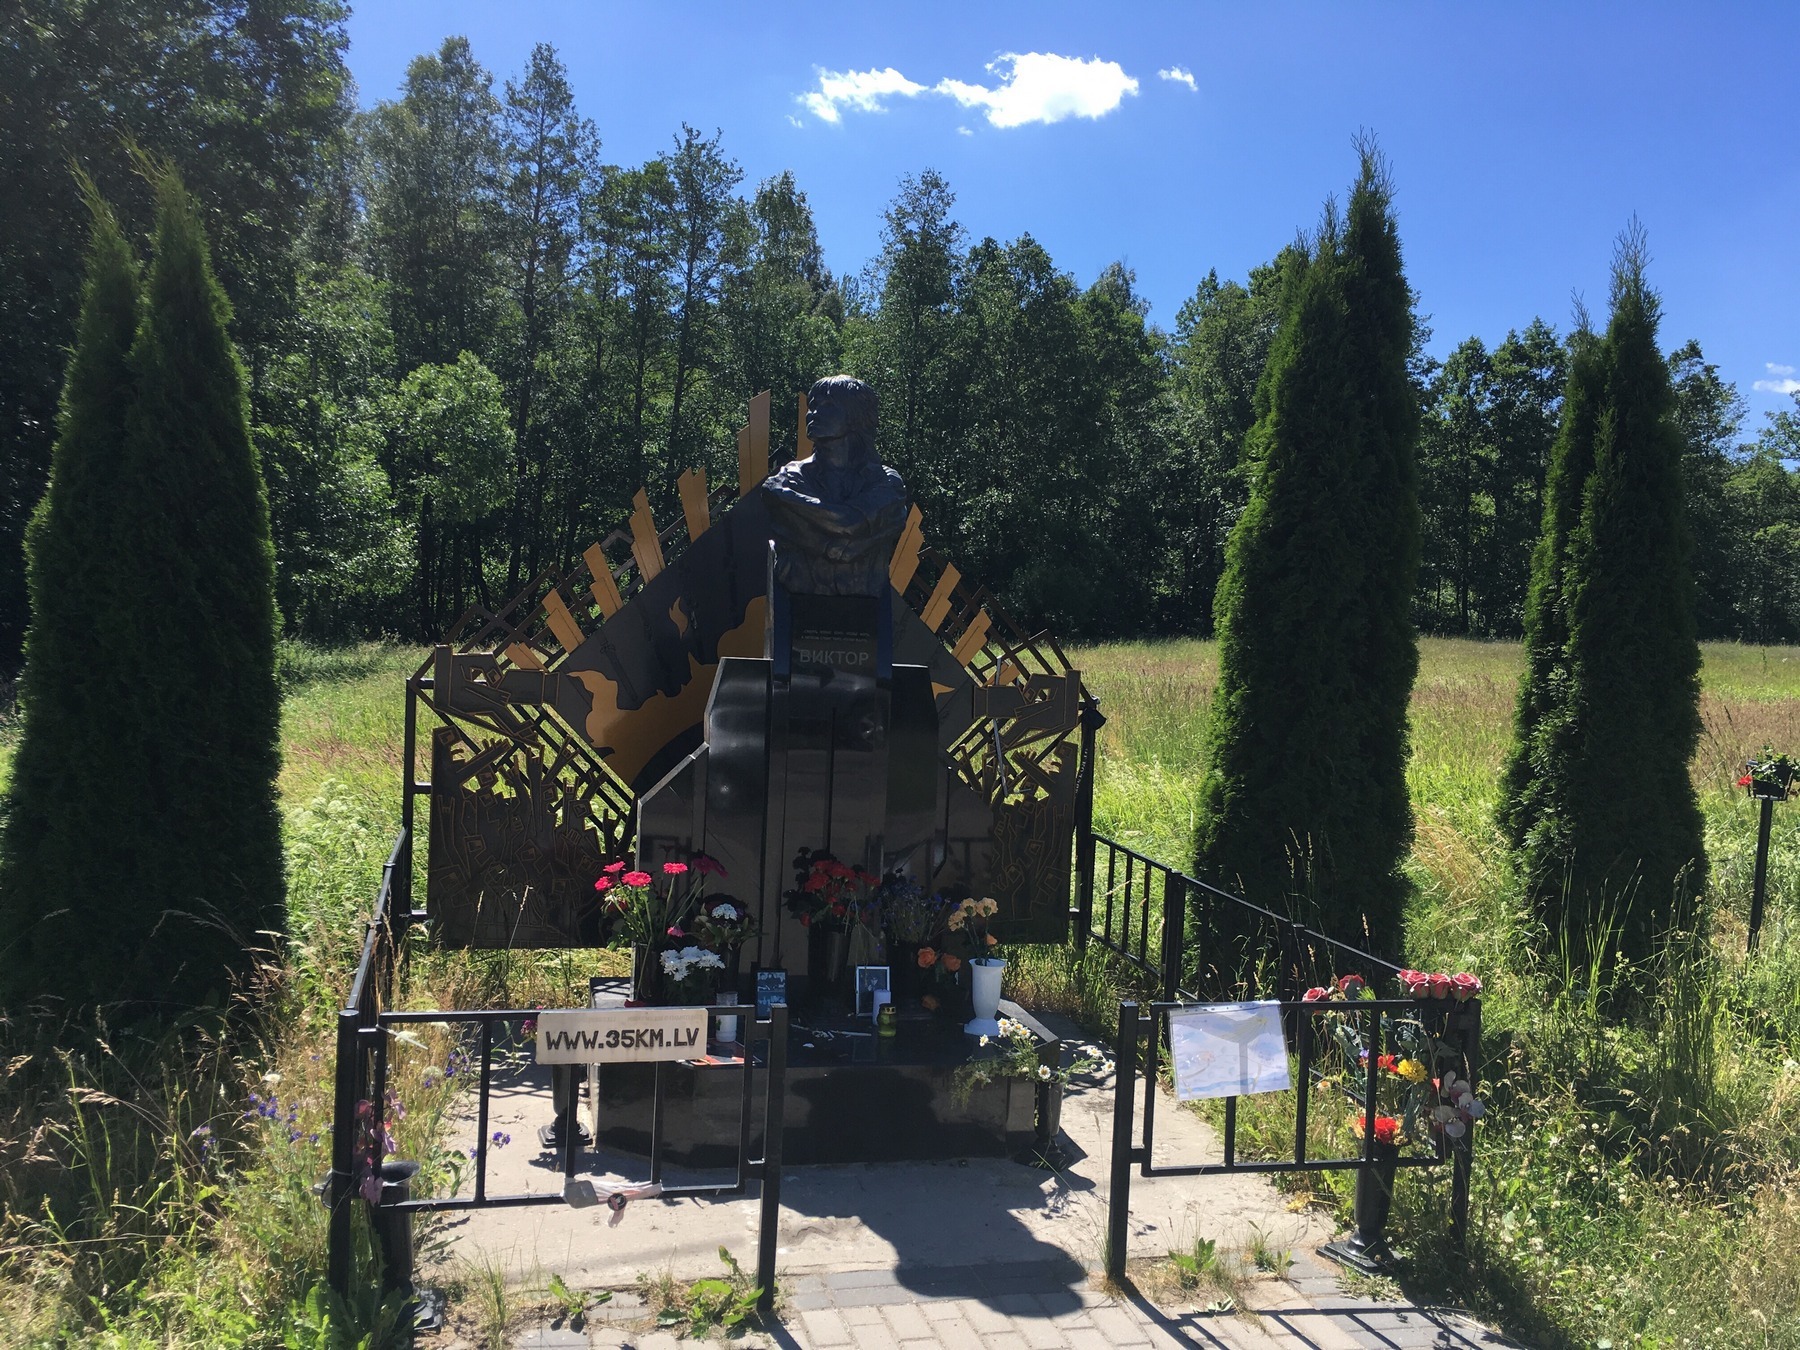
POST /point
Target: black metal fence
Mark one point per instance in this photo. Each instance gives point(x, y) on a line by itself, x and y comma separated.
point(1143, 1030)
point(1194, 942)
point(365, 1028)
point(1158, 919)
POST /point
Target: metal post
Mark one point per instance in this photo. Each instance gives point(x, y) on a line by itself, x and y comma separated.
point(403, 892)
point(1174, 933)
point(1091, 722)
point(1759, 885)
point(1118, 1199)
point(774, 1124)
point(343, 1155)
point(1462, 1158)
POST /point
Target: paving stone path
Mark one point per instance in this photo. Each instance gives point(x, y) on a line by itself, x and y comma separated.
point(866, 1253)
point(1032, 1307)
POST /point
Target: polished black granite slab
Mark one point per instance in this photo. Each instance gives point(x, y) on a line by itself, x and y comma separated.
point(852, 1097)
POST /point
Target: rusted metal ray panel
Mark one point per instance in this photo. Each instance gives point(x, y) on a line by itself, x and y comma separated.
point(974, 638)
point(745, 481)
point(906, 552)
point(937, 608)
point(523, 657)
point(759, 436)
point(602, 583)
point(692, 486)
point(562, 623)
point(645, 546)
point(802, 442)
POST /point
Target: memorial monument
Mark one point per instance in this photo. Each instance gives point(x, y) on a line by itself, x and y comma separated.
point(785, 666)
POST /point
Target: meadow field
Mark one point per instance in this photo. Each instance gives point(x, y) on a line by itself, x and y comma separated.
point(1634, 1184)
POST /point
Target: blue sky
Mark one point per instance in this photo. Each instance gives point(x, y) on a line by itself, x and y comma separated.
point(1523, 137)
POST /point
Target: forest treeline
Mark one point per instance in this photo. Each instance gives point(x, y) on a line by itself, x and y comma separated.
point(469, 339)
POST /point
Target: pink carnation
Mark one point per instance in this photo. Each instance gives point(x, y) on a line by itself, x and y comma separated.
point(637, 878)
point(1315, 995)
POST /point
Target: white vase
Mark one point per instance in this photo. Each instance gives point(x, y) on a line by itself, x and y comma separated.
point(986, 972)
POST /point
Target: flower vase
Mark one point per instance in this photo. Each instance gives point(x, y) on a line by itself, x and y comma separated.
point(826, 946)
point(1374, 1198)
point(985, 976)
point(904, 974)
point(646, 973)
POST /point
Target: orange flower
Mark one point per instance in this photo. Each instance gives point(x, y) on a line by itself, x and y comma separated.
point(930, 1002)
point(952, 962)
point(992, 941)
point(927, 958)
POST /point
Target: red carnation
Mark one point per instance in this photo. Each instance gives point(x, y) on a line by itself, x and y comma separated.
point(674, 869)
point(614, 867)
point(604, 883)
point(637, 878)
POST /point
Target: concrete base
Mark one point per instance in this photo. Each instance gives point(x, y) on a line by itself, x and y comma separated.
point(907, 1216)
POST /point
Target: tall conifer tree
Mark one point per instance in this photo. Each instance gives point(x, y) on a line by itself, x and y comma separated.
point(62, 867)
point(1607, 827)
point(1533, 776)
point(1304, 806)
point(206, 884)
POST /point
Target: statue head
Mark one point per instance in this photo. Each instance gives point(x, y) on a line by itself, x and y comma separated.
point(840, 408)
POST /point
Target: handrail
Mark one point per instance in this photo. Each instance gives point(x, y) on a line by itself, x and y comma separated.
point(380, 919)
point(1112, 929)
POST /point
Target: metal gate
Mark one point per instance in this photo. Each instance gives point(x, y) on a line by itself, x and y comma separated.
point(1140, 910)
point(365, 1028)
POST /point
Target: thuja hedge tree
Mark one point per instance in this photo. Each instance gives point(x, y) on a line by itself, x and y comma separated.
point(1598, 801)
point(154, 789)
point(60, 861)
point(1304, 805)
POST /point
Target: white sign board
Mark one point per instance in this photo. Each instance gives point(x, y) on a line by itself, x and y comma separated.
point(619, 1035)
point(1228, 1050)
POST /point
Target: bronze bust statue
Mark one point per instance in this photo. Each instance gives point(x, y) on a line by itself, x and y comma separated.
point(836, 517)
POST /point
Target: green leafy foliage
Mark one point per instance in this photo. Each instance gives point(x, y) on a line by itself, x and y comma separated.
point(1600, 806)
point(721, 1304)
point(71, 754)
point(204, 889)
point(1303, 807)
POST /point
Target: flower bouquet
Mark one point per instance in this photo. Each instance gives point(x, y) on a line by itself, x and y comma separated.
point(828, 896)
point(1770, 776)
point(1014, 1053)
point(967, 940)
point(690, 974)
point(911, 920)
point(650, 911)
point(1419, 1097)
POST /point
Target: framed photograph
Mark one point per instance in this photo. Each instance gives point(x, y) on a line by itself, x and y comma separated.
point(868, 980)
point(771, 988)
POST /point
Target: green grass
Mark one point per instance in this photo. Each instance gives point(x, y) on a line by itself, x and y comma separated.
point(1634, 1183)
point(122, 1227)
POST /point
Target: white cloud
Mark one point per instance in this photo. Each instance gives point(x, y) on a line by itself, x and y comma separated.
point(964, 131)
point(1043, 87)
point(1176, 75)
point(1783, 383)
point(863, 90)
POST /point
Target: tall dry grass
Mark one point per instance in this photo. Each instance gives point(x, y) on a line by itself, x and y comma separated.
point(1635, 1182)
